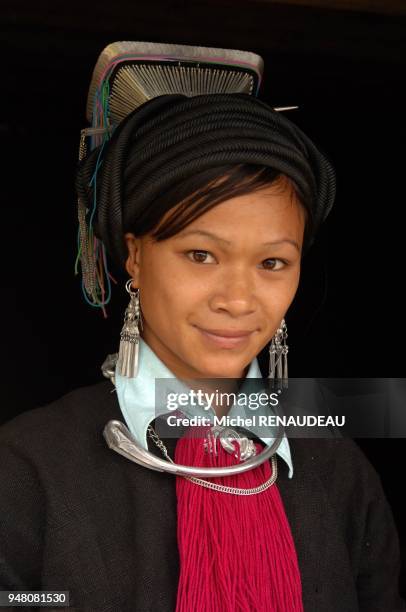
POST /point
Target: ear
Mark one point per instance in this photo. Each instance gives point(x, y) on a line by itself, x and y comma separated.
point(132, 264)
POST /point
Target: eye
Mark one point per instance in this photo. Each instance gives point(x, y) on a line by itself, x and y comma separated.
point(274, 263)
point(198, 256)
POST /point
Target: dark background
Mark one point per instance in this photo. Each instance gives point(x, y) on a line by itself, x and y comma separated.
point(343, 65)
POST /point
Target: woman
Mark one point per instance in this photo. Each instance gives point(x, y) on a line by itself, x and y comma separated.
point(209, 203)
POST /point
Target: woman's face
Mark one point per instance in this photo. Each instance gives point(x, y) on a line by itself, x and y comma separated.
point(234, 269)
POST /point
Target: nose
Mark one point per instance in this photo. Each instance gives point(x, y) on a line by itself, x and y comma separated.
point(235, 294)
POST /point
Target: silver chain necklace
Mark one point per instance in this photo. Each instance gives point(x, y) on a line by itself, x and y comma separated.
point(211, 485)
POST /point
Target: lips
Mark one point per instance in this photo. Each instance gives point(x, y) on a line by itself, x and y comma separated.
point(228, 333)
point(225, 338)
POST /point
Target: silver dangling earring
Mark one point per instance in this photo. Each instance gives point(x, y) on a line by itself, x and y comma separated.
point(278, 358)
point(127, 362)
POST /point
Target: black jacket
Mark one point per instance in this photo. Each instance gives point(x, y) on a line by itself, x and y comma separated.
point(76, 516)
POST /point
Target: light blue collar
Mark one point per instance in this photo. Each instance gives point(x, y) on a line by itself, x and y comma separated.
point(136, 397)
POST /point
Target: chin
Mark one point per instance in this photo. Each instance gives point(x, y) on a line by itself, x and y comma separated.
point(222, 368)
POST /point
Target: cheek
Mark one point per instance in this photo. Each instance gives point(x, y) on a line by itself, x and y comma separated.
point(276, 300)
point(168, 296)
point(155, 291)
point(291, 287)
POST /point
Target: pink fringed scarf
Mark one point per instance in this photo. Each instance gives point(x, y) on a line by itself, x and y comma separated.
point(236, 551)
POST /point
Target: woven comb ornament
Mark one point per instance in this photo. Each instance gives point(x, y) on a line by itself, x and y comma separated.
point(128, 74)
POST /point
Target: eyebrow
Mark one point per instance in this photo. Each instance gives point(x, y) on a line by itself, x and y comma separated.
point(228, 243)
